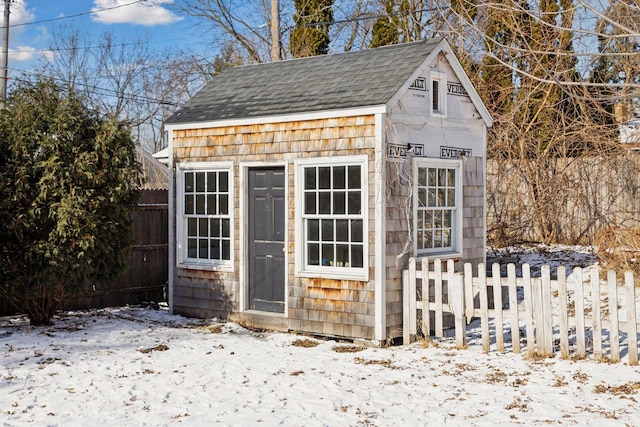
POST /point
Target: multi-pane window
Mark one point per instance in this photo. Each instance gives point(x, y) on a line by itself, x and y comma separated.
point(436, 199)
point(332, 215)
point(206, 213)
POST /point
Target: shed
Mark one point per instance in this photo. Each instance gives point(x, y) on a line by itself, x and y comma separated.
point(300, 188)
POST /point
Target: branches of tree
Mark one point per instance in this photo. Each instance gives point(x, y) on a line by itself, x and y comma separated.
point(556, 114)
point(125, 79)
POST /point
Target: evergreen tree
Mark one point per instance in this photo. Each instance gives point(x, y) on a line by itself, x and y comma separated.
point(310, 36)
point(385, 30)
point(68, 184)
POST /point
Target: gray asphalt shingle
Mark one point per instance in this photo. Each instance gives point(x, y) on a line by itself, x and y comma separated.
point(328, 82)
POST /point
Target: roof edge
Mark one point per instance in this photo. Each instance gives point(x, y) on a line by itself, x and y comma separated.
point(312, 115)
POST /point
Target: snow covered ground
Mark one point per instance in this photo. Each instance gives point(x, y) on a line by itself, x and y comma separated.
point(136, 366)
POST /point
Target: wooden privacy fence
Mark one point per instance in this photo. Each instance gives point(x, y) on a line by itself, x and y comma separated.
point(568, 313)
point(145, 277)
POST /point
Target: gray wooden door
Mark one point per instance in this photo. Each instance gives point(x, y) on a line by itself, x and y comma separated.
point(266, 239)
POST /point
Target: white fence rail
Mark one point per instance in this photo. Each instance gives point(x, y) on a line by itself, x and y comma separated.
point(574, 315)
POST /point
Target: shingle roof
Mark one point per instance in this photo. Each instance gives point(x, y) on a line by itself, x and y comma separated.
point(346, 80)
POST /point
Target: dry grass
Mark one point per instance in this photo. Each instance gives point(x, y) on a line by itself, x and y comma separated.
point(384, 362)
point(214, 329)
point(624, 389)
point(619, 250)
point(306, 343)
point(348, 348)
point(160, 347)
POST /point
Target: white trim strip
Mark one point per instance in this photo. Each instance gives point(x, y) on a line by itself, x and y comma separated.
point(380, 231)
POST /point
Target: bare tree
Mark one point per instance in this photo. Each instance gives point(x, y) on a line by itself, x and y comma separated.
point(126, 79)
point(246, 26)
point(558, 170)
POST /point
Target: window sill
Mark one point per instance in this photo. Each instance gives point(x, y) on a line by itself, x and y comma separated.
point(205, 267)
point(333, 275)
point(441, 255)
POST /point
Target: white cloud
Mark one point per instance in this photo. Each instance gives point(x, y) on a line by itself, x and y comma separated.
point(22, 54)
point(149, 13)
point(19, 15)
point(29, 53)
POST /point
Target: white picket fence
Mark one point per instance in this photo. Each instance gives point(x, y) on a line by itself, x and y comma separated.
point(575, 316)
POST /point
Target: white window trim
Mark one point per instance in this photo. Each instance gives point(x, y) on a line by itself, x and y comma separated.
point(441, 78)
point(327, 272)
point(456, 250)
point(181, 251)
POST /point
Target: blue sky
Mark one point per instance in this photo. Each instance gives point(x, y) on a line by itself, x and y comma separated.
point(33, 23)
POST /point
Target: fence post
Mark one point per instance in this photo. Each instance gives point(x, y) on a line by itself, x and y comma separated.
point(413, 329)
point(406, 313)
point(456, 300)
point(614, 332)
point(632, 319)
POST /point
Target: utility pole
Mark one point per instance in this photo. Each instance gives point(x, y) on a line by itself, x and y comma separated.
point(275, 30)
point(5, 57)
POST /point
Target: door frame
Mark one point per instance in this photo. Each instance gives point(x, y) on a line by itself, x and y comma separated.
point(244, 235)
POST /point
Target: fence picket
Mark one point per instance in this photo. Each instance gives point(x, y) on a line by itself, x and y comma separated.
point(484, 308)
point(413, 291)
point(513, 307)
point(497, 306)
point(451, 267)
point(528, 309)
point(426, 316)
point(564, 319)
point(596, 312)
point(614, 335)
point(632, 326)
point(538, 315)
point(437, 271)
point(581, 344)
point(468, 291)
point(406, 302)
point(547, 321)
point(456, 301)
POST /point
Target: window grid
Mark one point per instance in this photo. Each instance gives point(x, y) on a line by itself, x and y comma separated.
point(206, 215)
point(435, 95)
point(438, 94)
point(332, 216)
point(436, 210)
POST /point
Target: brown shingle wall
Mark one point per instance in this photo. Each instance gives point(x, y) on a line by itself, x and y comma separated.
point(329, 307)
point(473, 223)
point(398, 197)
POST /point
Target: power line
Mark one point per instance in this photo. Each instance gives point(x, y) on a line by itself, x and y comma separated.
point(91, 12)
point(97, 89)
